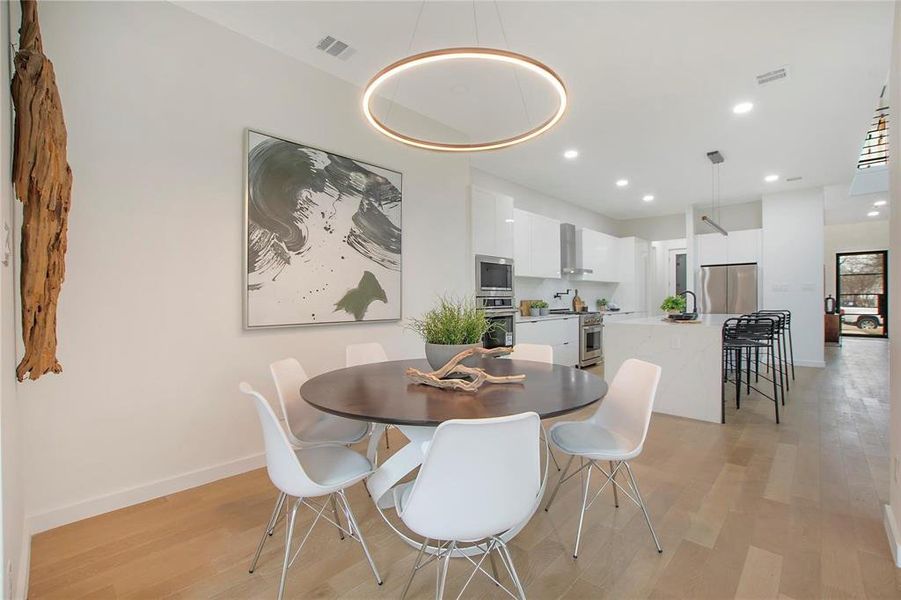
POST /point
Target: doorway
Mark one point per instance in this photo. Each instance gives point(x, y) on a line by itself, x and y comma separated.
point(678, 275)
point(861, 284)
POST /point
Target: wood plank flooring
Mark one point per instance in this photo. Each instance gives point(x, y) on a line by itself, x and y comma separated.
point(747, 510)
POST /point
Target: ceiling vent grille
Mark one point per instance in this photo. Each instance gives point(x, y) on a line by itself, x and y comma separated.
point(774, 75)
point(335, 47)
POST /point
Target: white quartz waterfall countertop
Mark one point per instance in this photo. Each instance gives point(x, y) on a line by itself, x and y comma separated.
point(705, 320)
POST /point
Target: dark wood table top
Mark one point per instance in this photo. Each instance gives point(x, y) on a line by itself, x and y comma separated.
point(381, 392)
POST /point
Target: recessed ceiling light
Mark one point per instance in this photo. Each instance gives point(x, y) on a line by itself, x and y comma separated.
point(873, 213)
point(742, 108)
point(508, 220)
point(622, 182)
point(771, 178)
point(880, 203)
point(648, 197)
point(571, 154)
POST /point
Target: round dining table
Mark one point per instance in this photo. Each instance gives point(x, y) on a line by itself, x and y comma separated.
point(380, 393)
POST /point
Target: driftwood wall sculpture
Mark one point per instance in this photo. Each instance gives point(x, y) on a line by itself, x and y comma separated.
point(43, 183)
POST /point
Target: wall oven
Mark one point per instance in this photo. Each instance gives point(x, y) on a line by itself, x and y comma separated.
point(494, 276)
point(502, 316)
point(591, 346)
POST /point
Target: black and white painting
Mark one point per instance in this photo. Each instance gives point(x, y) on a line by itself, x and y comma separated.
point(323, 236)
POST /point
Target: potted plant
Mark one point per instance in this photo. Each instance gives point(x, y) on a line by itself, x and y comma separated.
point(450, 328)
point(673, 305)
point(539, 308)
point(602, 304)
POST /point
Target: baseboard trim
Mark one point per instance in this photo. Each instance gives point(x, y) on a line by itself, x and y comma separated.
point(891, 530)
point(816, 364)
point(135, 495)
point(20, 590)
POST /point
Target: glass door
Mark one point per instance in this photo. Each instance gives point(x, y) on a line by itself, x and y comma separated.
point(862, 290)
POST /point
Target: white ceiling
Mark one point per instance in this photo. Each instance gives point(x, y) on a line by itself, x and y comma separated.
point(651, 86)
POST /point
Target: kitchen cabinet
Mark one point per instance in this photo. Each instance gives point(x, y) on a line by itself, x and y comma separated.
point(536, 245)
point(744, 246)
point(492, 223)
point(712, 249)
point(741, 246)
point(562, 334)
point(600, 253)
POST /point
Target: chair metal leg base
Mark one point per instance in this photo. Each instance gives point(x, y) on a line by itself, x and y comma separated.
point(270, 529)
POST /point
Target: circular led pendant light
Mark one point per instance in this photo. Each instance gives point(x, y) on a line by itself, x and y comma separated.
point(472, 54)
point(469, 54)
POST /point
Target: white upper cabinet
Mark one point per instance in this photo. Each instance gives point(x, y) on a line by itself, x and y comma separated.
point(536, 245)
point(492, 223)
point(522, 242)
point(545, 246)
point(712, 249)
point(626, 259)
point(600, 253)
point(744, 246)
point(738, 247)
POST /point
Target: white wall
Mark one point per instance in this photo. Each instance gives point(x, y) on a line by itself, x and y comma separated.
point(151, 343)
point(893, 511)
point(16, 547)
point(555, 208)
point(792, 267)
point(851, 237)
point(667, 227)
point(732, 217)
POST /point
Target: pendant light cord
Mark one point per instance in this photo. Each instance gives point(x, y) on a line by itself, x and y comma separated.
point(475, 23)
point(522, 96)
point(409, 49)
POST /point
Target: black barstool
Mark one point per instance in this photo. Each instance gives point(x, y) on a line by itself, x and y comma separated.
point(743, 336)
point(787, 315)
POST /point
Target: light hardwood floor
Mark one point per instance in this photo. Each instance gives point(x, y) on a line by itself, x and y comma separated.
point(749, 509)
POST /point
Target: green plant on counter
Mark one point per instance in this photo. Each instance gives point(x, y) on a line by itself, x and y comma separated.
point(602, 302)
point(539, 304)
point(453, 321)
point(673, 304)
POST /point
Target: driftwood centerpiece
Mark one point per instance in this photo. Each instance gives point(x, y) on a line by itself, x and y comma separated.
point(453, 367)
point(43, 182)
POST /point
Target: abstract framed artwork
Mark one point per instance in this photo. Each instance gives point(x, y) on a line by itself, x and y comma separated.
point(322, 236)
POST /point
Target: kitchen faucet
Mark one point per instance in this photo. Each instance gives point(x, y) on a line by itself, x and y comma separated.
point(558, 295)
point(694, 300)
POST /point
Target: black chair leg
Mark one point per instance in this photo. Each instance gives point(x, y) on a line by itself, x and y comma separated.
point(738, 378)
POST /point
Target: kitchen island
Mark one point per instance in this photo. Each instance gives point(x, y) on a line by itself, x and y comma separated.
point(689, 353)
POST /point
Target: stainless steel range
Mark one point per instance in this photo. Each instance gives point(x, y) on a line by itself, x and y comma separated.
point(591, 339)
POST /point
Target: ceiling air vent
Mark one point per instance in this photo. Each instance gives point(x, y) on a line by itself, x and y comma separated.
point(335, 47)
point(774, 75)
point(791, 179)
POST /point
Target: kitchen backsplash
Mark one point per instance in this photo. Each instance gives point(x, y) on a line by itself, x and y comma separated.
point(530, 288)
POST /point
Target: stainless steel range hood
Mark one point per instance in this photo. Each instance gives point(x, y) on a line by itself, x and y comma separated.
point(570, 257)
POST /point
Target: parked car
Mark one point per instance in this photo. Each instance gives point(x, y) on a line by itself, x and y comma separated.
point(863, 317)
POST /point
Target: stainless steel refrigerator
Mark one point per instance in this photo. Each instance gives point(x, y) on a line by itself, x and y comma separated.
point(728, 289)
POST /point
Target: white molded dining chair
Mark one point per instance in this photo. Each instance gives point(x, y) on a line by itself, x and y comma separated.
point(536, 352)
point(305, 473)
point(615, 433)
point(364, 354)
point(542, 353)
point(479, 478)
point(306, 427)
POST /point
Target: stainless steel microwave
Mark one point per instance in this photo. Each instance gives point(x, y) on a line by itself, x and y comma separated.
point(494, 276)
